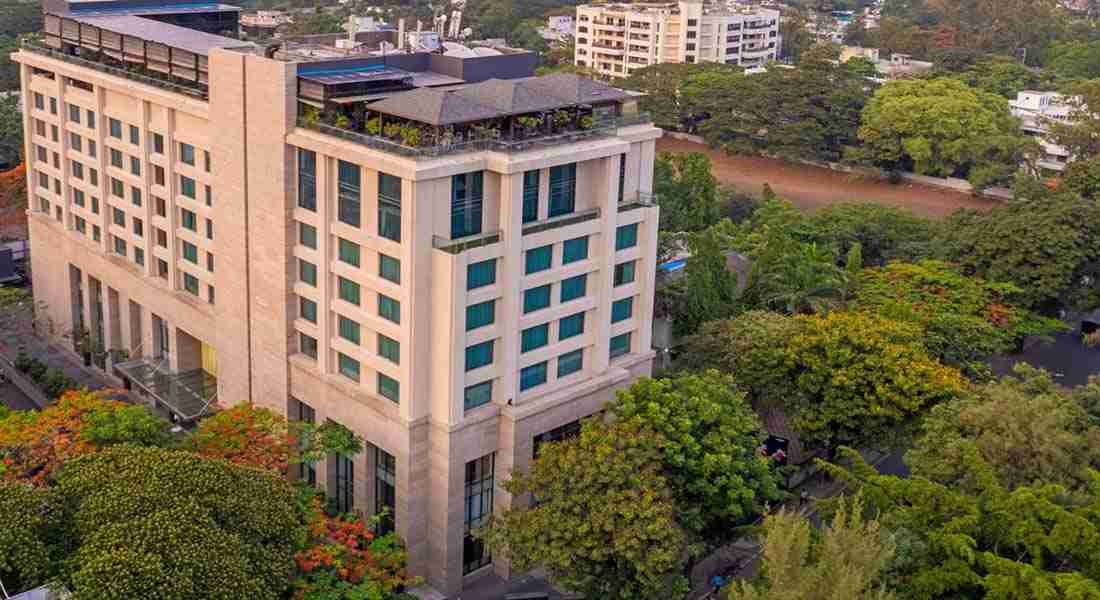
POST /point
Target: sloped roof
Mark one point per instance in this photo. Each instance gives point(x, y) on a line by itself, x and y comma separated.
point(512, 96)
point(433, 106)
point(575, 89)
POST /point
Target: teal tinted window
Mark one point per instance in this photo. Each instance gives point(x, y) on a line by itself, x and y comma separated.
point(620, 345)
point(348, 290)
point(389, 349)
point(307, 179)
point(389, 268)
point(349, 330)
point(348, 199)
point(466, 192)
point(479, 355)
point(571, 326)
point(187, 187)
point(563, 189)
point(624, 273)
point(532, 376)
point(187, 154)
point(534, 337)
point(307, 272)
point(536, 298)
point(349, 367)
point(574, 250)
point(307, 345)
point(389, 309)
point(478, 395)
point(307, 235)
point(622, 310)
point(191, 284)
point(389, 388)
point(481, 274)
point(480, 315)
point(190, 252)
point(349, 252)
point(570, 363)
point(389, 207)
point(307, 309)
point(626, 236)
point(538, 259)
point(530, 196)
point(574, 287)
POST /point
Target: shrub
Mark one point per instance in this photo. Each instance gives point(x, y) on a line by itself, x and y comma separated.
point(349, 561)
point(28, 517)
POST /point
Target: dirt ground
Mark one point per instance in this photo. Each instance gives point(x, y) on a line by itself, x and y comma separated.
point(810, 188)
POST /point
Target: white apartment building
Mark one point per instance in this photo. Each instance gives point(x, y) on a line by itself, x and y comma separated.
point(616, 39)
point(457, 268)
point(1036, 110)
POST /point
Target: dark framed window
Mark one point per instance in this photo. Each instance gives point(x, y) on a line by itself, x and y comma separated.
point(574, 287)
point(307, 472)
point(536, 298)
point(626, 236)
point(349, 199)
point(619, 345)
point(191, 284)
point(389, 207)
point(480, 314)
point(114, 127)
point(348, 252)
point(563, 189)
point(390, 349)
point(307, 179)
point(188, 219)
point(477, 395)
point(532, 376)
point(187, 186)
point(570, 363)
point(480, 274)
point(348, 290)
point(389, 268)
point(530, 196)
point(345, 484)
point(622, 310)
point(558, 434)
point(479, 507)
point(307, 345)
point(307, 235)
point(479, 355)
point(158, 143)
point(534, 337)
point(624, 273)
point(622, 176)
point(348, 329)
point(574, 250)
point(389, 309)
point(190, 253)
point(348, 366)
point(307, 309)
point(538, 259)
point(466, 204)
point(187, 154)
point(385, 489)
point(571, 326)
point(135, 135)
point(307, 272)
point(389, 388)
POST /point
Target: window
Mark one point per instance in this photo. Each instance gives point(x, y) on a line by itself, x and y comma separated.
point(307, 472)
point(479, 507)
point(187, 154)
point(480, 315)
point(90, 119)
point(622, 310)
point(344, 491)
point(206, 161)
point(389, 388)
point(538, 259)
point(187, 186)
point(481, 274)
point(571, 326)
point(307, 272)
point(188, 219)
point(120, 246)
point(209, 195)
point(158, 143)
point(477, 395)
point(307, 309)
point(116, 158)
point(190, 253)
point(466, 192)
point(209, 229)
point(534, 337)
point(162, 268)
point(389, 268)
point(91, 148)
point(161, 207)
point(191, 284)
point(139, 256)
point(53, 132)
point(78, 197)
point(390, 349)
point(307, 235)
point(536, 298)
point(307, 345)
point(210, 262)
point(348, 290)
point(564, 432)
point(74, 140)
point(118, 217)
point(389, 207)
point(77, 169)
point(532, 376)
point(620, 345)
point(135, 196)
point(115, 128)
point(44, 181)
point(389, 309)
point(574, 287)
point(210, 294)
point(348, 200)
point(117, 188)
point(307, 179)
point(479, 355)
point(135, 135)
point(385, 489)
point(570, 363)
point(162, 238)
point(563, 189)
point(39, 101)
point(74, 113)
point(158, 174)
point(530, 196)
point(139, 228)
point(626, 236)
point(574, 250)
point(348, 329)
point(348, 366)
point(622, 176)
point(96, 237)
point(624, 273)
point(348, 252)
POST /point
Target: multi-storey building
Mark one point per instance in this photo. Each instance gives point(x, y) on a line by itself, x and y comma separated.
point(616, 39)
point(1036, 111)
point(456, 273)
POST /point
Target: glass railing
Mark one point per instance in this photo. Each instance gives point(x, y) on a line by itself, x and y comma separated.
point(602, 127)
point(562, 221)
point(460, 245)
point(196, 90)
point(639, 200)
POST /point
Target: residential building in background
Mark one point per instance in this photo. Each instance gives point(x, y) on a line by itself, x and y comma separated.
point(451, 258)
point(1036, 110)
point(615, 40)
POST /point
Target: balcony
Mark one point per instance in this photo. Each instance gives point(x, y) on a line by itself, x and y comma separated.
point(460, 245)
point(562, 221)
point(640, 200)
point(131, 72)
point(188, 395)
point(608, 49)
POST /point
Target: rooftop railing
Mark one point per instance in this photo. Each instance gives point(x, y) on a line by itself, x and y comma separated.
point(195, 90)
point(562, 221)
point(602, 127)
point(639, 200)
point(460, 245)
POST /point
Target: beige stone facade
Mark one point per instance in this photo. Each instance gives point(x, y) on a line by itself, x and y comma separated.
point(197, 242)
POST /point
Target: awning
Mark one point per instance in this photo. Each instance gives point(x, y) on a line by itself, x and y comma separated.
point(187, 394)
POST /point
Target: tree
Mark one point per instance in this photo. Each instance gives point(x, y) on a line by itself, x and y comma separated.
point(526, 35)
point(30, 522)
point(1027, 429)
point(895, 35)
point(860, 378)
point(686, 190)
point(709, 438)
point(1082, 177)
point(708, 289)
point(803, 279)
point(752, 348)
point(965, 318)
point(1004, 77)
point(847, 560)
point(663, 84)
point(11, 131)
point(944, 128)
point(1046, 243)
point(604, 521)
point(797, 37)
point(1079, 133)
point(1074, 59)
point(884, 233)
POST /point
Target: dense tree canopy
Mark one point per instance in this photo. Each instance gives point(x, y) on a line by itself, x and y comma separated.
point(686, 190)
point(663, 85)
point(708, 290)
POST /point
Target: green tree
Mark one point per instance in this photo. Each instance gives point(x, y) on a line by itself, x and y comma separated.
point(708, 290)
point(1079, 134)
point(884, 233)
point(797, 37)
point(686, 190)
point(526, 35)
point(846, 560)
point(1004, 77)
point(1074, 59)
point(1024, 426)
point(965, 318)
point(942, 127)
point(803, 279)
point(604, 523)
point(27, 536)
point(709, 439)
point(861, 378)
point(1082, 177)
point(663, 85)
point(11, 131)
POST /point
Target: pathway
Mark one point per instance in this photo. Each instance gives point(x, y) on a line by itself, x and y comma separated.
point(810, 187)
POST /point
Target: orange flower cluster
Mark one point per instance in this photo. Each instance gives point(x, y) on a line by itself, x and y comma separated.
point(246, 435)
point(351, 552)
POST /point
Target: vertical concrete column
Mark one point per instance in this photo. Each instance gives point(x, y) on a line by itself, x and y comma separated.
point(326, 199)
point(606, 188)
point(644, 165)
point(61, 85)
point(419, 202)
point(98, 163)
point(415, 495)
point(509, 278)
point(28, 131)
point(147, 241)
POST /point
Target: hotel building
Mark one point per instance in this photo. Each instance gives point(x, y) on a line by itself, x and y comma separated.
point(451, 258)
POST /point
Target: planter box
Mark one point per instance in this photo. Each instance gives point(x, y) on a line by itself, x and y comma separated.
point(24, 384)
